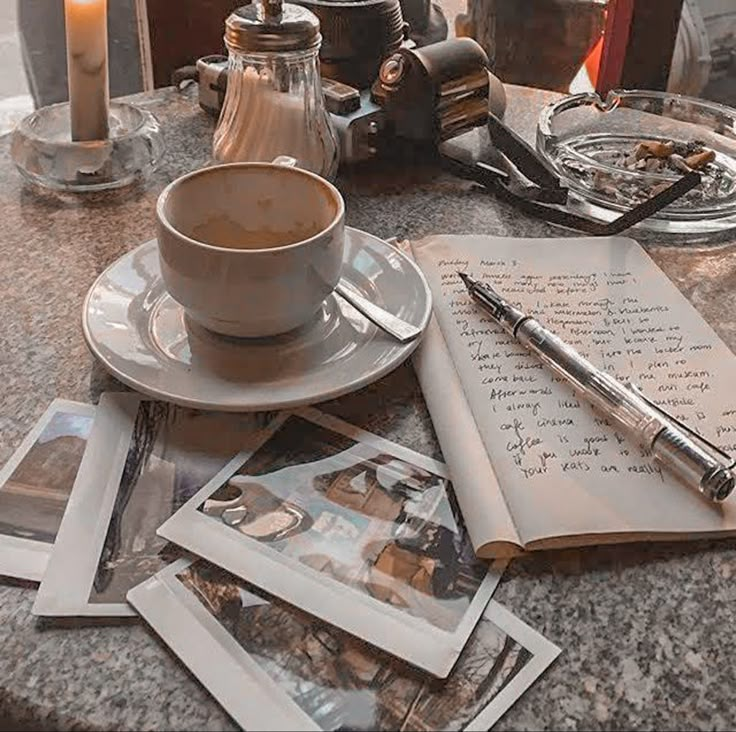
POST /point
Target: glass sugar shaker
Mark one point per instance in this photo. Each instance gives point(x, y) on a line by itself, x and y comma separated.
point(274, 104)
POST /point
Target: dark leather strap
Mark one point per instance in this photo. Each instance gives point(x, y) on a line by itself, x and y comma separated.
point(498, 182)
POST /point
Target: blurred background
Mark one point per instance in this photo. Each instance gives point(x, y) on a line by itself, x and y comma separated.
point(15, 98)
point(553, 44)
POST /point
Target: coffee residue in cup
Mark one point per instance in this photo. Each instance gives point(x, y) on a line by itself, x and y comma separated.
point(222, 231)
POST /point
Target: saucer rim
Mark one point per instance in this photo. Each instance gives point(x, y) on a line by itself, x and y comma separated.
point(405, 350)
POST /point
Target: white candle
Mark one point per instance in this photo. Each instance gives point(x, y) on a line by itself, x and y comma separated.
point(86, 57)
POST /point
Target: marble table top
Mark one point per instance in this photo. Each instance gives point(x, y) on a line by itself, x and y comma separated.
point(647, 632)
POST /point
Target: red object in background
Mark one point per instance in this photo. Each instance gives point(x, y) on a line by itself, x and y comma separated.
point(619, 14)
point(638, 44)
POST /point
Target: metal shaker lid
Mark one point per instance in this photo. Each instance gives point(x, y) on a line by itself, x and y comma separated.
point(267, 26)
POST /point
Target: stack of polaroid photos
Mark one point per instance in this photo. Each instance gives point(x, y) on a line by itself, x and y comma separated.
point(311, 575)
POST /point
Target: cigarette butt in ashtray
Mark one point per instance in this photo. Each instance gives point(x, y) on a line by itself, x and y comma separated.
point(699, 160)
point(654, 147)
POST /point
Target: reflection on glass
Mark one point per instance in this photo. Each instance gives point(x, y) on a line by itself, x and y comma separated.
point(255, 512)
point(381, 525)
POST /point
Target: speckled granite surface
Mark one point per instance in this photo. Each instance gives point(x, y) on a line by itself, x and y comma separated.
point(647, 632)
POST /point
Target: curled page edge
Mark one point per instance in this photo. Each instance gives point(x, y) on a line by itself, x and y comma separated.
point(487, 517)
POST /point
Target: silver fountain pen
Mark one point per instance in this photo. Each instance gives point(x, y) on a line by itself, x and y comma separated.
point(670, 441)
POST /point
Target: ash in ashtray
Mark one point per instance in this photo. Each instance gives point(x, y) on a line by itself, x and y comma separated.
point(651, 160)
point(654, 156)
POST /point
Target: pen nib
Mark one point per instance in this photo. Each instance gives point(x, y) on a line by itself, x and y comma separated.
point(469, 281)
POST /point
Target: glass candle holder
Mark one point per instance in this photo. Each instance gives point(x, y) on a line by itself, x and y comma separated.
point(44, 153)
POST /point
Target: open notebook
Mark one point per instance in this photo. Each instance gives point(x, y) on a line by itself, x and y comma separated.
point(533, 466)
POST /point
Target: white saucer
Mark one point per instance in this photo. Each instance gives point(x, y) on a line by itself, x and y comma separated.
point(143, 337)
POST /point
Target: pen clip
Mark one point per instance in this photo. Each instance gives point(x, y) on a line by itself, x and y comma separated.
point(683, 426)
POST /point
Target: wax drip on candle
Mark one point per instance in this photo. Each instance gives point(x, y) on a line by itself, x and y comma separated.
point(87, 65)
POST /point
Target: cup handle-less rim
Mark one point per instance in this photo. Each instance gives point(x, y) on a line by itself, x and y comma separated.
point(280, 160)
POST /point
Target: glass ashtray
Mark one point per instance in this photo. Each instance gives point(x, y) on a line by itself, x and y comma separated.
point(44, 153)
point(615, 154)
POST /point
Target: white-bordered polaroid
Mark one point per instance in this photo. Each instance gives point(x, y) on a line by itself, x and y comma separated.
point(274, 667)
point(359, 531)
point(35, 485)
point(144, 460)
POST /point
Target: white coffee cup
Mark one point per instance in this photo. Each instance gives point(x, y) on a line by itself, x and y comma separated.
point(250, 249)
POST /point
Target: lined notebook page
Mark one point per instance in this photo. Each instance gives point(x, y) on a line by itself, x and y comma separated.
point(563, 471)
point(486, 515)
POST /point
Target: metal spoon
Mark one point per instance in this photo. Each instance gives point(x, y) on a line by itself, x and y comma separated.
point(393, 325)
